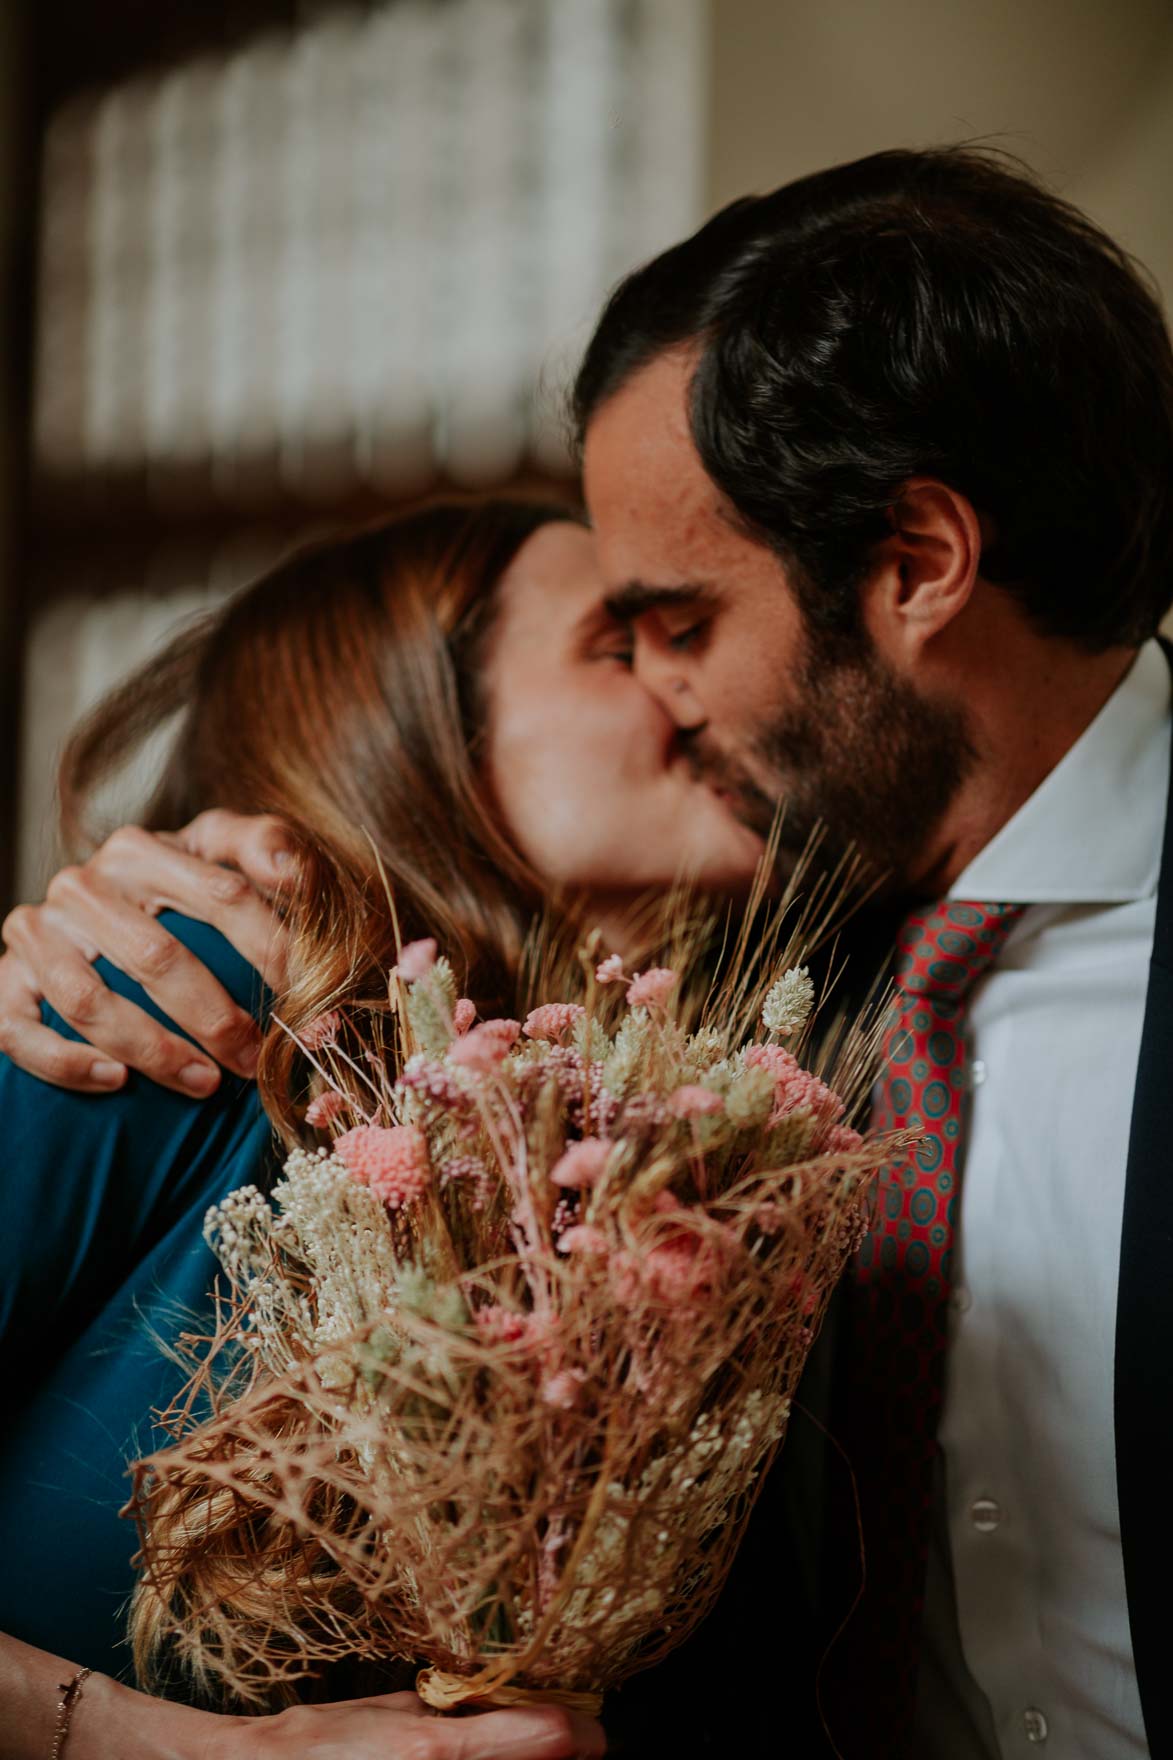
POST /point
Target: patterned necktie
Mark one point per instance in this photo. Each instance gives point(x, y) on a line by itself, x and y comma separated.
point(894, 1376)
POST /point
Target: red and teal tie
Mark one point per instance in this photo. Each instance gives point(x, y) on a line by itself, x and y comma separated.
point(894, 1376)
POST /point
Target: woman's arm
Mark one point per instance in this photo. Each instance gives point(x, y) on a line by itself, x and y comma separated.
point(220, 870)
point(91, 1186)
point(109, 1720)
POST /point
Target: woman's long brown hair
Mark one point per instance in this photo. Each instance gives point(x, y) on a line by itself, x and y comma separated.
point(340, 692)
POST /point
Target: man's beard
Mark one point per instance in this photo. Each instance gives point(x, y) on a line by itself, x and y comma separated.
point(857, 754)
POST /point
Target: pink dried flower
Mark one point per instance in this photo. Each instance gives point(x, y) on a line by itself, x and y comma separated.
point(392, 1162)
point(611, 970)
point(498, 1325)
point(589, 1107)
point(841, 1140)
point(470, 1172)
point(795, 1088)
point(651, 989)
point(433, 1082)
point(806, 1093)
point(679, 1269)
point(416, 960)
point(321, 1031)
point(693, 1101)
point(464, 1014)
point(683, 1267)
point(564, 1217)
point(323, 1109)
point(583, 1238)
point(552, 1021)
point(625, 1271)
point(770, 1217)
point(582, 1164)
point(483, 1048)
point(782, 1064)
point(459, 1168)
point(563, 1389)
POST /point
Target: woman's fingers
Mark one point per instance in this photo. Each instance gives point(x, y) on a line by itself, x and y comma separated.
point(260, 845)
point(538, 1732)
point(397, 1727)
point(119, 1029)
point(156, 873)
point(109, 906)
point(545, 1732)
point(172, 976)
point(38, 1049)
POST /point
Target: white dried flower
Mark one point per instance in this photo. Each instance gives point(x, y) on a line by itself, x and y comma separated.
point(749, 1100)
point(431, 1006)
point(701, 1052)
point(788, 1006)
point(624, 1062)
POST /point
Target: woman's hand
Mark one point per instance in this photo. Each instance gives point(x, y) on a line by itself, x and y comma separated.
point(221, 869)
point(399, 1727)
point(393, 1726)
point(109, 1719)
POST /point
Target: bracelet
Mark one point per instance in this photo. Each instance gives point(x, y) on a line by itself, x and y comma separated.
point(70, 1694)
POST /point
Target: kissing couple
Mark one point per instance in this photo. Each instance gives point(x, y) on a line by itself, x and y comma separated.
point(879, 477)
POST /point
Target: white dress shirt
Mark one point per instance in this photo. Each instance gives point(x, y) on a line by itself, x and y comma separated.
point(1026, 1644)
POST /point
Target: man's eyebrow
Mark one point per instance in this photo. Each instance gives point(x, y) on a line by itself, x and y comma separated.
point(628, 602)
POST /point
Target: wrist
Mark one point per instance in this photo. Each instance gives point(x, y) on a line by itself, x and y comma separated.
point(112, 1718)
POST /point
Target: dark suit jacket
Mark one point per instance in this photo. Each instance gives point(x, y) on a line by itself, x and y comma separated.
point(744, 1685)
point(1144, 1334)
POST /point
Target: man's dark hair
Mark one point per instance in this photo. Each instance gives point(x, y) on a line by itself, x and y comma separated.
point(935, 314)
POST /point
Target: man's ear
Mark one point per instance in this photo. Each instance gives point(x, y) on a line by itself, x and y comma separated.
point(923, 574)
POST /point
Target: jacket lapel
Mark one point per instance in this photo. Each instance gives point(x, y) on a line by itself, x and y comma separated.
point(1144, 1332)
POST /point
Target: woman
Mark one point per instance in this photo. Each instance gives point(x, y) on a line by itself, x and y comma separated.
point(438, 704)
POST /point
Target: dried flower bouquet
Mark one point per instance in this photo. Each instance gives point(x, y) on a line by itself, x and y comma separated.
point(501, 1371)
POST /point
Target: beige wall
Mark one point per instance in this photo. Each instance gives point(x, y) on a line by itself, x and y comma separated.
point(1083, 89)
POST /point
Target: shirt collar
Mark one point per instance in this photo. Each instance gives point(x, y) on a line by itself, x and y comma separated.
point(1093, 830)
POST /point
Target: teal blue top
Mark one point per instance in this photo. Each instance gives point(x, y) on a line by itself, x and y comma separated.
point(102, 1201)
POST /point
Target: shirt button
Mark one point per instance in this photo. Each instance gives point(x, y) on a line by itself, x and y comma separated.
point(985, 1514)
point(977, 1073)
point(1035, 1724)
point(960, 1300)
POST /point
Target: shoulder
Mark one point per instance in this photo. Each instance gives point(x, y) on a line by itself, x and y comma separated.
point(92, 1180)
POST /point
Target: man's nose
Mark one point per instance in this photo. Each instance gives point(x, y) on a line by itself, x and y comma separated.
point(663, 679)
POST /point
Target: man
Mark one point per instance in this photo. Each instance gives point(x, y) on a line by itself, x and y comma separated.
point(881, 467)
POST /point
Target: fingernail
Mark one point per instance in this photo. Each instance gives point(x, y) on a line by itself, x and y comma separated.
point(199, 1079)
point(282, 858)
point(108, 1075)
